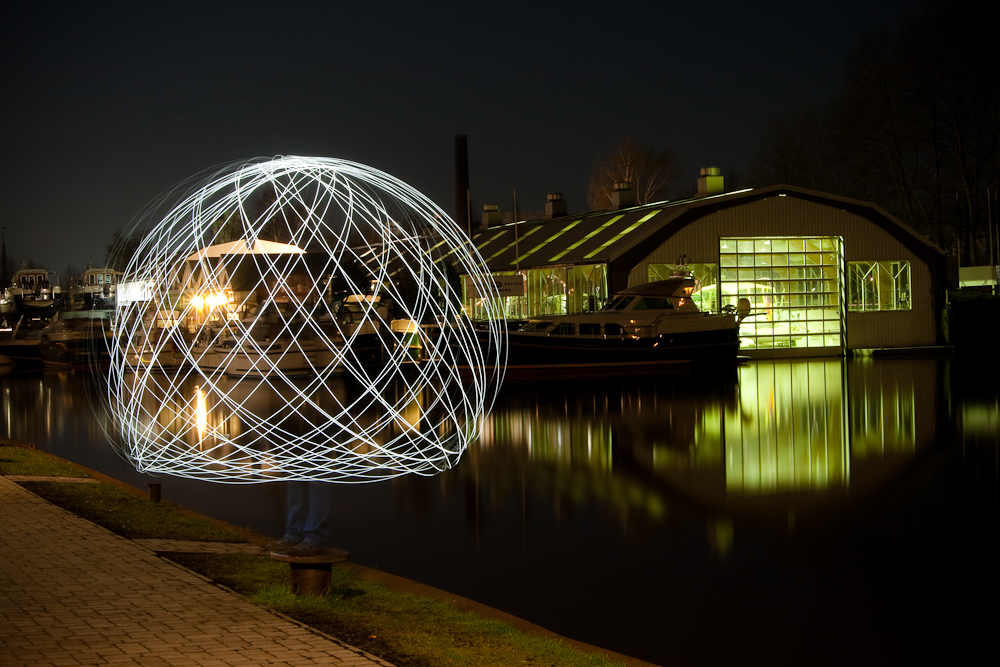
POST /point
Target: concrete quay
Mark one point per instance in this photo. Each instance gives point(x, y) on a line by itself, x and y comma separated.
point(74, 593)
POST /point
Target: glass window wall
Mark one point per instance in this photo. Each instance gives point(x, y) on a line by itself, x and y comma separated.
point(794, 286)
point(561, 290)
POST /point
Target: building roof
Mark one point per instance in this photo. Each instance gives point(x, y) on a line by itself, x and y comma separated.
point(605, 236)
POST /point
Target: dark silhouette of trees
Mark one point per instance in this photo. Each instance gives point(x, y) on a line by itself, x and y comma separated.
point(651, 172)
point(121, 249)
point(915, 128)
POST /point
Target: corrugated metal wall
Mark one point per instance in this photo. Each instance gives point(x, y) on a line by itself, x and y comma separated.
point(790, 216)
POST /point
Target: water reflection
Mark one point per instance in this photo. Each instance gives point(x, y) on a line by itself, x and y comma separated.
point(780, 434)
point(249, 430)
point(869, 485)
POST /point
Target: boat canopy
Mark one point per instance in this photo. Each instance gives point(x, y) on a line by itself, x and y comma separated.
point(661, 288)
point(242, 247)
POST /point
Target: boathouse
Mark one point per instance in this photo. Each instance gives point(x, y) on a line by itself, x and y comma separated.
point(825, 275)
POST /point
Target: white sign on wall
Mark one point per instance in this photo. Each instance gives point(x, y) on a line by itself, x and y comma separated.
point(505, 285)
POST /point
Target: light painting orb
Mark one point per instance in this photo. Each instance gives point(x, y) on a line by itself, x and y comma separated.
point(300, 319)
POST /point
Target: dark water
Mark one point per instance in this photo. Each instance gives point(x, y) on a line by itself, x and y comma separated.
point(803, 512)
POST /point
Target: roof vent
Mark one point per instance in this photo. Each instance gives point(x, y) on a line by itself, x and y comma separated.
point(622, 197)
point(555, 207)
point(492, 215)
point(710, 182)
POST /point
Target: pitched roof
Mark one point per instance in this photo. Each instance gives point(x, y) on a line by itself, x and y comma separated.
point(604, 236)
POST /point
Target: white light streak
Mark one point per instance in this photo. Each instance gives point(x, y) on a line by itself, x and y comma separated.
point(233, 362)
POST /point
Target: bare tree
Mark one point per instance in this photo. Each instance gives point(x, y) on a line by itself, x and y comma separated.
point(70, 275)
point(915, 127)
point(651, 171)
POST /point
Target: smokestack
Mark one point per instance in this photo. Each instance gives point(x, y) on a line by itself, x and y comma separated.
point(462, 203)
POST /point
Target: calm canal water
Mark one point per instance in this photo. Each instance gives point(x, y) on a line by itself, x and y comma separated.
point(803, 512)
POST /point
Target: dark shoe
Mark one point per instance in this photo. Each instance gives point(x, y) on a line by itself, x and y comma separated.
point(282, 545)
point(307, 549)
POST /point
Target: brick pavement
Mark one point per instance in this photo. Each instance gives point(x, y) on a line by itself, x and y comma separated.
point(73, 593)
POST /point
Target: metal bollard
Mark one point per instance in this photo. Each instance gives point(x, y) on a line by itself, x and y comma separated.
point(154, 491)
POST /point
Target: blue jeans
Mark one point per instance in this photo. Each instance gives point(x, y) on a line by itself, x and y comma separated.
point(310, 507)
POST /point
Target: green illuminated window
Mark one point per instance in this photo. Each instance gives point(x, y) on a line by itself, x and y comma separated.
point(793, 285)
point(557, 290)
point(548, 240)
point(876, 286)
point(586, 238)
point(515, 242)
point(619, 235)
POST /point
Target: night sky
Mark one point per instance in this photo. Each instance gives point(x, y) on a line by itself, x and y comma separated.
point(106, 107)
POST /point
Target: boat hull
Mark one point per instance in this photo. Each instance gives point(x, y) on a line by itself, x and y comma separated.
point(716, 346)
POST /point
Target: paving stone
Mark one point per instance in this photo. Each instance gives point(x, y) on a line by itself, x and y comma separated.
point(73, 593)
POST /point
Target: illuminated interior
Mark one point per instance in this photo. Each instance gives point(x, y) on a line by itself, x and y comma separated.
point(794, 285)
point(874, 286)
point(559, 290)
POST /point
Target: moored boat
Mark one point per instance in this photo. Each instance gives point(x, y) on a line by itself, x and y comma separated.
point(96, 289)
point(645, 328)
point(152, 345)
point(33, 294)
point(260, 344)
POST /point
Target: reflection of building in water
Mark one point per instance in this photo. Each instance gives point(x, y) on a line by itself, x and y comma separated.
point(788, 430)
point(789, 433)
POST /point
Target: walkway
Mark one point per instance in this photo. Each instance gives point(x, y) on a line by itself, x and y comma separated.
point(73, 593)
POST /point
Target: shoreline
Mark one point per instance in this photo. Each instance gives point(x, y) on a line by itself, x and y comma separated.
point(387, 579)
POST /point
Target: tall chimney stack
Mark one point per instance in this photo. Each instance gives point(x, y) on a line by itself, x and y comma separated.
point(462, 202)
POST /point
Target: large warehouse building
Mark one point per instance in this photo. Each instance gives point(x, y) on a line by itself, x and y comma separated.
point(825, 275)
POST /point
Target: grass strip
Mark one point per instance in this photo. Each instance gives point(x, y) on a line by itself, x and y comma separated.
point(130, 516)
point(23, 461)
point(403, 628)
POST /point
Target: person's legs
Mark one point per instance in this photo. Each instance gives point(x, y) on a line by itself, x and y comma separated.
point(317, 529)
point(298, 511)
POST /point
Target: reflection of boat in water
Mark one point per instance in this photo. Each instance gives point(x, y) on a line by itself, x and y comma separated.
point(77, 339)
point(22, 351)
point(642, 328)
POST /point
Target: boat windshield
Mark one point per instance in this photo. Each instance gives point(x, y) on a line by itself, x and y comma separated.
point(618, 303)
point(653, 303)
point(536, 325)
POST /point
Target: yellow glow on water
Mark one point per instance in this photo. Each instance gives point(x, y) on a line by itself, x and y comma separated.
point(201, 414)
point(789, 429)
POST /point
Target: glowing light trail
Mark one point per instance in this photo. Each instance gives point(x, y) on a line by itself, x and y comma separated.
point(262, 344)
